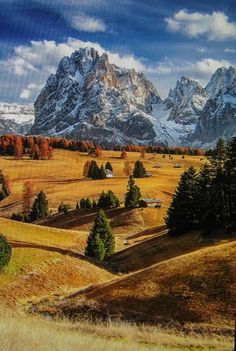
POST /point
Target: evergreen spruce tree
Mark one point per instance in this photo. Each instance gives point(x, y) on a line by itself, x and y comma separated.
point(5, 252)
point(88, 203)
point(93, 171)
point(107, 200)
point(101, 241)
point(109, 166)
point(139, 170)
point(102, 173)
point(40, 207)
point(133, 194)
point(82, 203)
point(202, 194)
point(181, 215)
point(230, 166)
point(218, 192)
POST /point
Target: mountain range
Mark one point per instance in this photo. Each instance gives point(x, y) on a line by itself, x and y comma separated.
point(89, 98)
point(16, 119)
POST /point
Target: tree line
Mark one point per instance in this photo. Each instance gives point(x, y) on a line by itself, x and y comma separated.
point(206, 200)
point(160, 149)
point(39, 147)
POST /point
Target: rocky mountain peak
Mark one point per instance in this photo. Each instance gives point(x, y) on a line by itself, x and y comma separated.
point(186, 101)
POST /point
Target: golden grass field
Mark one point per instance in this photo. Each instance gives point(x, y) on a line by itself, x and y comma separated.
point(62, 180)
point(183, 280)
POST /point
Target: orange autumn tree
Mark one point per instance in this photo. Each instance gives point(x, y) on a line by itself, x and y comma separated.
point(18, 148)
point(27, 197)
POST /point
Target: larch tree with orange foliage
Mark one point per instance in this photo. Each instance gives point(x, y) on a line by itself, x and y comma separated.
point(127, 168)
point(28, 194)
point(18, 148)
point(123, 155)
point(86, 168)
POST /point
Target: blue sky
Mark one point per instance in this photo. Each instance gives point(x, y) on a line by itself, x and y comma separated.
point(164, 39)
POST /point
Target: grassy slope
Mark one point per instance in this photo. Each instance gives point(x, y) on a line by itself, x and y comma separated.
point(31, 233)
point(158, 248)
point(42, 268)
point(198, 287)
point(40, 335)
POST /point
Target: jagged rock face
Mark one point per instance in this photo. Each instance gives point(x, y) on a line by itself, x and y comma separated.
point(186, 101)
point(218, 118)
point(90, 98)
point(16, 119)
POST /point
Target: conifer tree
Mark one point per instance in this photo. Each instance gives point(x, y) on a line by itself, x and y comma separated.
point(202, 195)
point(5, 252)
point(230, 166)
point(108, 199)
point(4, 186)
point(181, 215)
point(102, 173)
point(40, 207)
point(139, 170)
point(133, 194)
point(109, 166)
point(101, 242)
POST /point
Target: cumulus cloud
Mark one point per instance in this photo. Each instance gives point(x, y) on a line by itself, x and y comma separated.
point(29, 91)
point(215, 26)
point(30, 66)
point(34, 62)
point(229, 50)
point(85, 23)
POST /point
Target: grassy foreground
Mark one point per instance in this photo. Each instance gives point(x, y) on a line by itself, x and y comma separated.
point(17, 334)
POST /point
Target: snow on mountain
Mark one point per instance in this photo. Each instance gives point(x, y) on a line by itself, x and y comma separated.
point(89, 98)
point(16, 118)
point(218, 118)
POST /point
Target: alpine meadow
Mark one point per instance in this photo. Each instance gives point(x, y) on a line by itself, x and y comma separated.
point(117, 175)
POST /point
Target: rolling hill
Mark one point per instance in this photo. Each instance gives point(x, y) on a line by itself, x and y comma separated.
point(197, 287)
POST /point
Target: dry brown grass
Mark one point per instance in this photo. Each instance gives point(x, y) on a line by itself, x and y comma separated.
point(198, 287)
point(61, 179)
point(27, 334)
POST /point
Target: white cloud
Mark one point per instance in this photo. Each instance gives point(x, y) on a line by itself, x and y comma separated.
point(228, 50)
point(31, 90)
point(215, 26)
point(85, 23)
point(34, 62)
point(31, 65)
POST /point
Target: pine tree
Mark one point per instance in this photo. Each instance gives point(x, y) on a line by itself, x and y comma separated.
point(102, 173)
point(133, 194)
point(88, 203)
point(4, 186)
point(230, 166)
point(94, 171)
point(181, 215)
point(107, 200)
point(202, 194)
point(101, 242)
point(218, 191)
point(139, 170)
point(109, 166)
point(40, 207)
point(5, 252)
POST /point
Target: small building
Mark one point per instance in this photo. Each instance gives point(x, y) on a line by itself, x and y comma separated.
point(109, 173)
point(150, 202)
